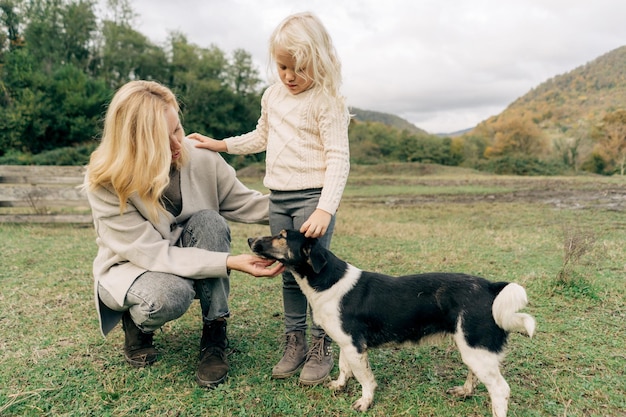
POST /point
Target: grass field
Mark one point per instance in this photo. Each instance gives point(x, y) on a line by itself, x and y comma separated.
point(394, 219)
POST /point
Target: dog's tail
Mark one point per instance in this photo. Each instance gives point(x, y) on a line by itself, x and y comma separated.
point(511, 299)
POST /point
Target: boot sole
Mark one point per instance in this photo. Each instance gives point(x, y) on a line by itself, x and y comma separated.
point(140, 363)
point(316, 382)
point(211, 384)
point(284, 375)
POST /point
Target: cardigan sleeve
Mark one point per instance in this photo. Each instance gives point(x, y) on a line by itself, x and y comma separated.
point(333, 120)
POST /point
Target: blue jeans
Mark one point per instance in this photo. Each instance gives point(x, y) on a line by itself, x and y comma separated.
point(156, 298)
point(289, 210)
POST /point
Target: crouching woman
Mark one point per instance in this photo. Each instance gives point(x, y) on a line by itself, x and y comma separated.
point(160, 208)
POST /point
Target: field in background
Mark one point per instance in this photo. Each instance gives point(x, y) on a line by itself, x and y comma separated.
point(396, 219)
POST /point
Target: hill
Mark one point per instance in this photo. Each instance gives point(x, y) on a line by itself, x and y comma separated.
point(386, 119)
point(583, 95)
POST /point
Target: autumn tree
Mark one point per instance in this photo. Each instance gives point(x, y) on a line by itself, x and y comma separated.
point(573, 148)
point(517, 136)
point(611, 140)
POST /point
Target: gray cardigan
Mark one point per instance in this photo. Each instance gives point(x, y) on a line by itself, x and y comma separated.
point(129, 244)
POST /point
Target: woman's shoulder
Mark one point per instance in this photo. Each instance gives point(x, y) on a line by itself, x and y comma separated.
point(196, 153)
point(203, 159)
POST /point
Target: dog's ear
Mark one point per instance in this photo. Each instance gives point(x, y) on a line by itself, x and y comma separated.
point(317, 255)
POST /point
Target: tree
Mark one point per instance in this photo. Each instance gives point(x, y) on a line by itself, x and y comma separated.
point(611, 139)
point(78, 28)
point(126, 54)
point(572, 147)
point(517, 136)
point(122, 53)
point(10, 37)
point(241, 74)
point(45, 27)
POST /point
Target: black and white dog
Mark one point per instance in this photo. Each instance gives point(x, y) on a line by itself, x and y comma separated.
point(361, 310)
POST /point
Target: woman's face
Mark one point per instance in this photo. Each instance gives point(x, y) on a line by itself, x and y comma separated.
point(175, 130)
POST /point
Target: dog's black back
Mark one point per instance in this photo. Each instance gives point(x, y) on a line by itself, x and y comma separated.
point(443, 298)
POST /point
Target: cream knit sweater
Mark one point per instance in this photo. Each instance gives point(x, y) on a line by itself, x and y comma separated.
point(306, 139)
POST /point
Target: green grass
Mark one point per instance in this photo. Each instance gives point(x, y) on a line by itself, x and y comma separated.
point(54, 362)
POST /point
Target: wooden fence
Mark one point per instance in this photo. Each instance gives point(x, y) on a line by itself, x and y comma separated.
point(42, 194)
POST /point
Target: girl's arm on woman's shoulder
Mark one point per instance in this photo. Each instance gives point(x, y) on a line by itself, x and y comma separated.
point(206, 142)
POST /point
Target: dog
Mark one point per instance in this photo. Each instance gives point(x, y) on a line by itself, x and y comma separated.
point(361, 310)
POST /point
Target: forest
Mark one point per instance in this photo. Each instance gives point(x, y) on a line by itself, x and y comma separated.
point(61, 62)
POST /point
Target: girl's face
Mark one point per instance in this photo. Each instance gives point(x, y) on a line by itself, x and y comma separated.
point(175, 131)
point(291, 76)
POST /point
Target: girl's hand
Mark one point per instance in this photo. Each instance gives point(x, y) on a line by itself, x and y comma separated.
point(208, 143)
point(254, 265)
point(317, 224)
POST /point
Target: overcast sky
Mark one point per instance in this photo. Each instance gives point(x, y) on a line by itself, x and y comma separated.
point(444, 65)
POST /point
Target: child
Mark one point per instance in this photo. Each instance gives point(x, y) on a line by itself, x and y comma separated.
point(304, 130)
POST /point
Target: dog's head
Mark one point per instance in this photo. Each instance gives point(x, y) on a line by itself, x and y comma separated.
point(292, 249)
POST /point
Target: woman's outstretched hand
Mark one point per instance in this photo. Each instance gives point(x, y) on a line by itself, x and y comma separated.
point(254, 265)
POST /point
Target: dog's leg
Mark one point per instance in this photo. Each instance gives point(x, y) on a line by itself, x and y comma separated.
point(486, 367)
point(467, 389)
point(359, 364)
point(345, 373)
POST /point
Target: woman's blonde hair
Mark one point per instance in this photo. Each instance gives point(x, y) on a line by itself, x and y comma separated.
point(304, 36)
point(134, 156)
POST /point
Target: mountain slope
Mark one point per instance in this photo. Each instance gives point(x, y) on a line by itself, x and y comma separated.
point(384, 118)
point(583, 94)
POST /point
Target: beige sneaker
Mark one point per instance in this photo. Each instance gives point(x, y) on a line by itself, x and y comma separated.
point(319, 362)
point(294, 356)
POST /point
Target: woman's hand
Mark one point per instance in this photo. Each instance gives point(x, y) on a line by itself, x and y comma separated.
point(317, 224)
point(208, 143)
point(254, 265)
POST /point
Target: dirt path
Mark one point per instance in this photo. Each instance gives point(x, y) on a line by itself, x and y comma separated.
point(560, 192)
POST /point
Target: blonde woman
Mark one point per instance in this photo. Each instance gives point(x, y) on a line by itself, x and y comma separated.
point(160, 208)
point(304, 129)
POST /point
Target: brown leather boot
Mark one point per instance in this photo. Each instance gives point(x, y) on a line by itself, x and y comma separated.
point(139, 350)
point(213, 366)
point(319, 362)
point(293, 357)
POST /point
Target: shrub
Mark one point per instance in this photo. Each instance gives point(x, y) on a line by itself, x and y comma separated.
point(522, 165)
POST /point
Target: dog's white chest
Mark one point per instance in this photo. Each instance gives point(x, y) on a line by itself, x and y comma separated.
point(325, 304)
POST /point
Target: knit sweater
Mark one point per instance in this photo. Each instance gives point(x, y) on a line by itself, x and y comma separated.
point(306, 139)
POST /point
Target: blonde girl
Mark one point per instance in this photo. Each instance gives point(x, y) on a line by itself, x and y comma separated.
point(304, 130)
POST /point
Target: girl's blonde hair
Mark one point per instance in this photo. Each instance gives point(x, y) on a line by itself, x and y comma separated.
point(134, 156)
point(304, 36)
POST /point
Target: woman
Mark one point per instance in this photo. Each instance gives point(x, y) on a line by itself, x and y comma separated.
point(160, 208)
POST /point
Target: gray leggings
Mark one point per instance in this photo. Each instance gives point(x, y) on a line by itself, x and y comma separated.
point(289, 210)
point(156, 297)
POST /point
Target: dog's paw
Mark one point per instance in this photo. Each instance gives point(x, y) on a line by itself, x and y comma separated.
point(336, 385)
point(460, 391)
point(362, 404)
